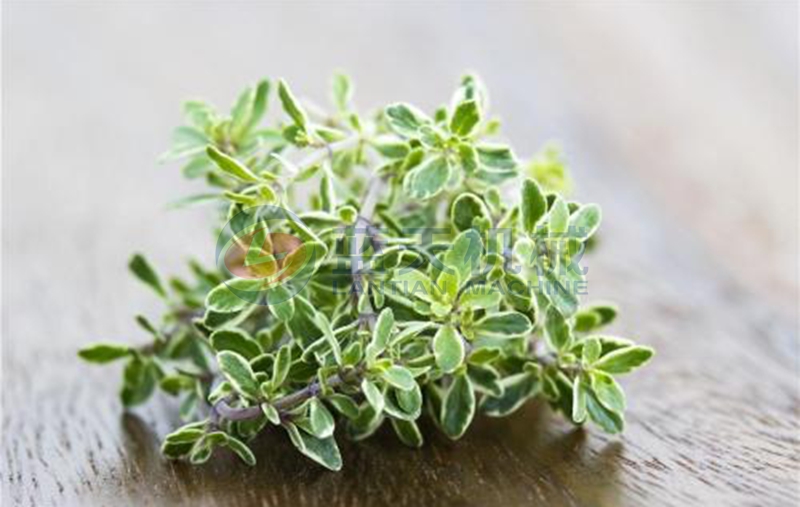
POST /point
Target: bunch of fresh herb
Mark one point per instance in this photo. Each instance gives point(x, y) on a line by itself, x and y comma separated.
point(398, 279)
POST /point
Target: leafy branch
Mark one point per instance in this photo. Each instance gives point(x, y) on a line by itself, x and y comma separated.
point(372, 269)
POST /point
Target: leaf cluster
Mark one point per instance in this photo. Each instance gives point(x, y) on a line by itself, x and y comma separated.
point(420, 287)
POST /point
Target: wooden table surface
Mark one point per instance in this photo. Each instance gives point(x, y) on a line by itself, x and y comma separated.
point(680, 119)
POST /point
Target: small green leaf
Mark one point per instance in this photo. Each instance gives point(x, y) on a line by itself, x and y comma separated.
point(408, 432)
point(591, 350)
point(280, 302)
point(241, 450)
point(322, 450)
point(221, 299)
point(496, 157)
point(466, 116)
point(380, 335)
point(609, 421)
point(465, 209)
point(342, 91)
point(138, 381)
point(290, 105)
point(458, 407)
point(584, 222)
point(230, 165)
point(477, 297)
point(516, 390)
point(578, 400)
point(271, 413)
point(324, 325)
point(533, 205)
point(624, 360)
point(427, 179)
point(238, 372)
point(557, 330)
point(283, 361)
point(465, 254)
point(485, 379)
point(237, 341)
point(559, 217)
point(399, 377)
point(448, 348)
point(344, 405)
point(322, 423)
point(405, 120)
point(101, 353)
point(144, 272)
point(608, 391)
point(504, 325)
point(373, 395)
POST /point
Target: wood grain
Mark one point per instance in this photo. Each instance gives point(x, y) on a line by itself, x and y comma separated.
point(89, 95)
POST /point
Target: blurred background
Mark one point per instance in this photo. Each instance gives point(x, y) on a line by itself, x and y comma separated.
point(695, 100)
point(687, 109)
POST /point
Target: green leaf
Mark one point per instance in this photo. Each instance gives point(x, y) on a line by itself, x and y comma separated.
point(405, 120)
point(496, 157)
point(594, 316)
point(373, 395)
point(559, 217)
point(561, 293)
point(380, 335)
point(221, 299)
point(238, 372)
point(485, 379)
point(427, 179)
point(283, 362)
point(399, 377)
point(448, 348)
point(466, 208)
point(237, 341)
point(241, 450)
point(504, 325)
point(259, 103)
point(484, 355)
point(408, 432)
point(342, 91)
point(280, 302)
point(609, 421)
point(557, 330)
point(466, 116)
point(144, 272)
point(591, 350)
point(138, 381)
point(324, 325)
point(101, 353)
point(322, 423)
point(458, 407)
point(608, 392)
point(533, 205)
point(230, 165)
point(465, 254)
point(322, 450)
point(291, 106)
point(624, 360)
point(584, 222)
point(477, 297)
point(344, 405)
point(271, 413)
point(517, 389)
point(578, 400)
point(390, 147)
